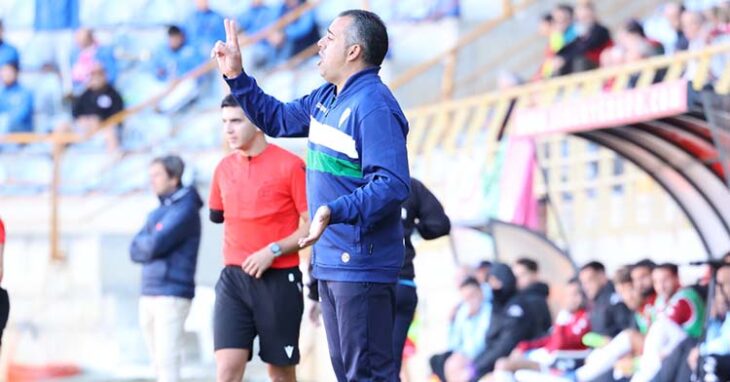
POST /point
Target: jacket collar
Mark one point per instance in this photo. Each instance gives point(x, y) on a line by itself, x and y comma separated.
point(358, 78)
point(173, 197)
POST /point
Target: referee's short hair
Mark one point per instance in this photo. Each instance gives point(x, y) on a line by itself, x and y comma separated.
point(229, 101)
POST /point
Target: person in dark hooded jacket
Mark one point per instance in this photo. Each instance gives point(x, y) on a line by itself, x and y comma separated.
point(167, 247)
point(516, 316)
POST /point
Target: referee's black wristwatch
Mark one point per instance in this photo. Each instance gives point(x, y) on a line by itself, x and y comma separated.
point(275, 249)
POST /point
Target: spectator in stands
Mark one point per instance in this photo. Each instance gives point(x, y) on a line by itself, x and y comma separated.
point(641, 278)
point(671, 35)
point(643, 284)
point(632, 45)
point(177, 58)
point(467, 330)
point(258, 16)
point(94, 106)
point(608, 314)
point(545, 29)
point(718, 18)
point(584, 52)
point(297, 36)
point(86, 55)
point(716, 348)
point(516, 316)
point(695, 29)
point(594, 368)
point(167, 247)
point(566, 334)
point(16, 102)
point(563, 32)
point(8, 53)
point(483, 271)
point(527, 273)
point(679, 314)
point(171, 63)
point(204, 27)
point(699, 36)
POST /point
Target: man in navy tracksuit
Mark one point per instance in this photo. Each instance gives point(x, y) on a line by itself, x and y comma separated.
point(167, 248)
point(424, 213)
point(357, 178)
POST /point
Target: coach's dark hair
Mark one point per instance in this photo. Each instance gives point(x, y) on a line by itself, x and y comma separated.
point(594, 266)
point(229, 101)
point(173, 165)
point(368, 30)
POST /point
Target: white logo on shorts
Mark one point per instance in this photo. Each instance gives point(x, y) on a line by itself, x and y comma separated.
point(345, 257)
point(291, 277)
point(289, 350)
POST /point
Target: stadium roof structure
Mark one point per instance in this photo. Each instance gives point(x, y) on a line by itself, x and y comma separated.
point(678, 136)
point(677, 129)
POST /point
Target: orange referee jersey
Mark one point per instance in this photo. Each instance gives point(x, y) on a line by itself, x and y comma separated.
point(262, 198)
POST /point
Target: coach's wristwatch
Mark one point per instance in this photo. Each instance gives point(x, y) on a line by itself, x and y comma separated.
point(275, 249)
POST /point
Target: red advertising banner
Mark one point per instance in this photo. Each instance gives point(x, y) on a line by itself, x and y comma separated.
point(602, 110)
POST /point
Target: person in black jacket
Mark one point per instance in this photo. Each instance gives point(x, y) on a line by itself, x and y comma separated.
point(95, 105)
point(583, 53)
point(608, 314)
point(421, 213)
point(533, 291)
point(516, 316)
point(167, 247)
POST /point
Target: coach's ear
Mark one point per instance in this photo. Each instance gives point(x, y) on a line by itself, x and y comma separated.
point(354, 52)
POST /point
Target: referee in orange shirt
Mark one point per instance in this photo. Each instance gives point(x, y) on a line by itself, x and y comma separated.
point(258, 192)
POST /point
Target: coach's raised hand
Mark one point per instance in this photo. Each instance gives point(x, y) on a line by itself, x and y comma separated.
point(228, 54)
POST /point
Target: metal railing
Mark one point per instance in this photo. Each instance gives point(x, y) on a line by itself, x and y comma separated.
point(59, 140)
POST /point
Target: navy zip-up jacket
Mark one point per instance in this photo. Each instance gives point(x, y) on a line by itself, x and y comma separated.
point(357, 165)
point(167, 245)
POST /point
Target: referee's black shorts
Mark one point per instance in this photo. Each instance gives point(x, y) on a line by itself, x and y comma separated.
point(270, 307)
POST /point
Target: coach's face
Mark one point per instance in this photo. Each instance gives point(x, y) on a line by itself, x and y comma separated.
point(161, 182)
point(333, 50)
point(239, 131)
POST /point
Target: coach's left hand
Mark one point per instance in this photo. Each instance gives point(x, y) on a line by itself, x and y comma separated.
point(256, 264)
point(320, 221)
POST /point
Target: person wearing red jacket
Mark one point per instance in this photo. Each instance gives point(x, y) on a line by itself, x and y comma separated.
point(566, 334)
